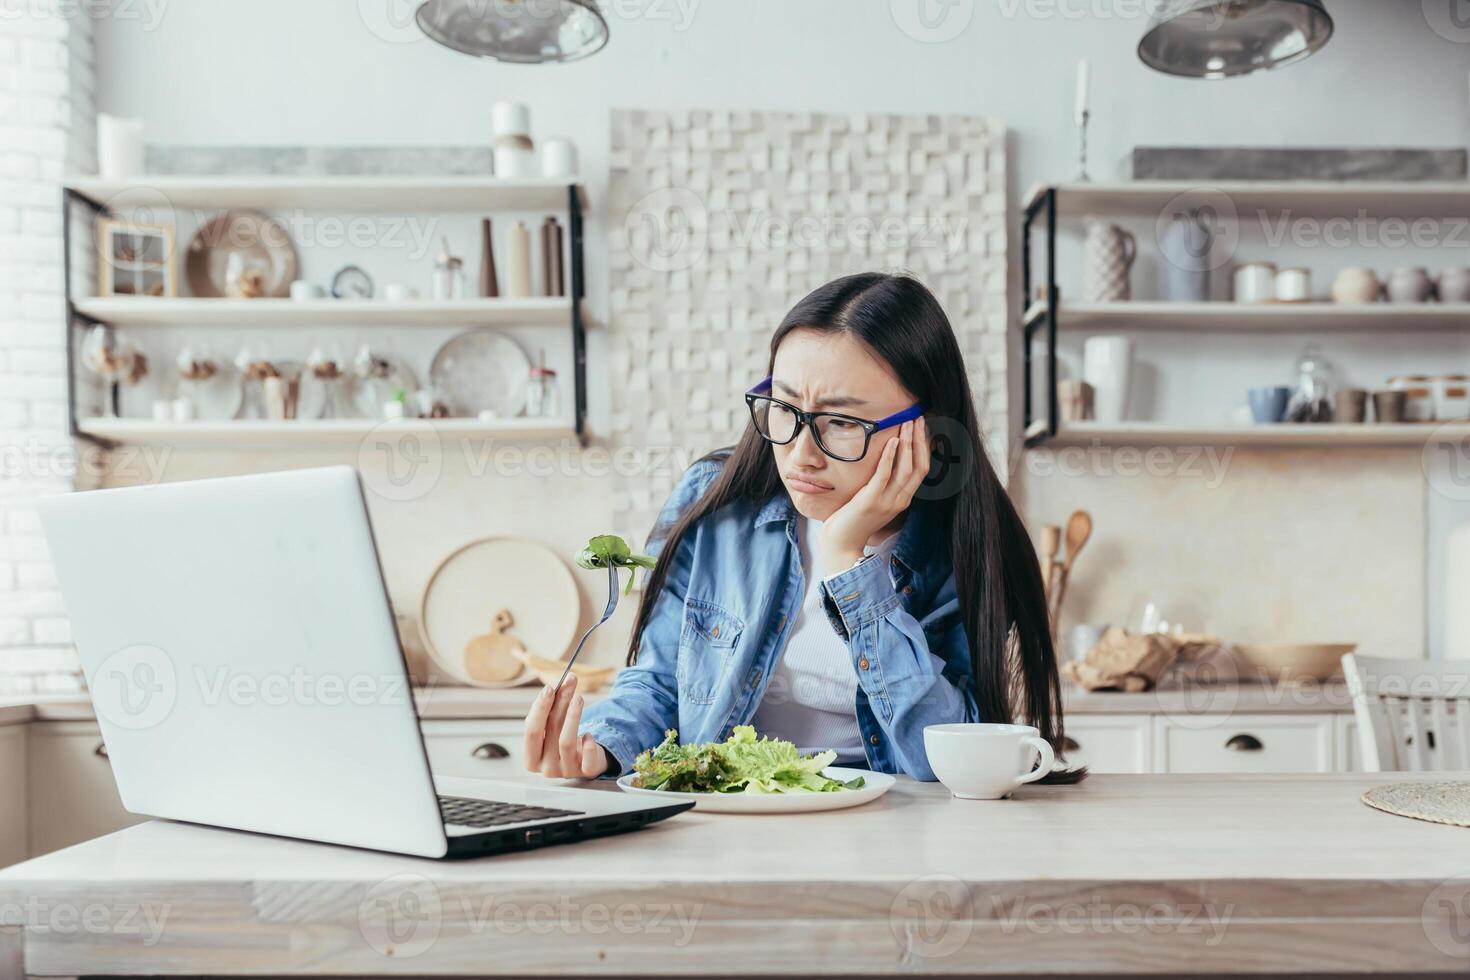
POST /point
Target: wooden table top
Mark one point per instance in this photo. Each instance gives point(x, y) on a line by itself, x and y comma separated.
point(1131, 874)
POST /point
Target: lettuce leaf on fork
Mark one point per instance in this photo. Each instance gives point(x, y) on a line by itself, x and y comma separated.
point(742, 763)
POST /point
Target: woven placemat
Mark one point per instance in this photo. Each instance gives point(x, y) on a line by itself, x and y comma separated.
point(1436, 802)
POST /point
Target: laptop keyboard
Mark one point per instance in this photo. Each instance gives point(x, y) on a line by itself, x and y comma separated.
point(488, 813)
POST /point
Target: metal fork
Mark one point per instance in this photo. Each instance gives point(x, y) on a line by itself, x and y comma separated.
point(612, 603)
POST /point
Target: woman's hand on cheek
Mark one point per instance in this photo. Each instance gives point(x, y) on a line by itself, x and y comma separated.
point(887, 494)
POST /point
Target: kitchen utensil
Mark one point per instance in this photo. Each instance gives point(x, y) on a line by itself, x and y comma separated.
point(1351, 405)
point(1074, 400)
point(1226, 38)
point(1296, 661)
point(1107, 263)
point(1051, 541)
point(875, 784)
point(489, 283)
point(553, 30)
point(517, 574)
point(612, 603)
point(1186, 247)
point(352, 282)
point(481, 370)
point(1079, 530)
point(119, 146)
point(1311, 401)
point(1451, 397)
point(495, 657)
point(1268, 404)
point(250, 249)
point(1107, 365)
point(1388, 406)
point(1409, 284)
point(1254, 282)
point(552, 279)
point(558, 159)
point(986, 761)
point(1355, 286)
point(518, 261)
point(1293, 285)
point(1418, 396)
point(590, 679)
point(1454, 285)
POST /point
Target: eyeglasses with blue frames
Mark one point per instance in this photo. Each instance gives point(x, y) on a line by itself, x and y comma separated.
point(843, 437)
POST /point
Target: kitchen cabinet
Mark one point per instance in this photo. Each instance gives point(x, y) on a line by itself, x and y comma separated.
point(14, 819)
point(1246, 744)
point(1110, 743)
point(72, 794)
point(477, 749)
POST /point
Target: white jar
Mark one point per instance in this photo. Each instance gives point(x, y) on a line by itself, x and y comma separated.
point(1255, 282)
point(1293, 285)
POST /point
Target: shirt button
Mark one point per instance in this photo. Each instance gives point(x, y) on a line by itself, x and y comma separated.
point(873, 739)
point(715, 632)
point(908, 590)
point(863, 663)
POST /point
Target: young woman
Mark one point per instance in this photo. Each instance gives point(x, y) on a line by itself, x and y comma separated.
point(828, 580)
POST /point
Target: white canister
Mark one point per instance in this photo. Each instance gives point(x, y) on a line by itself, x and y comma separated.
point(119, 146)
point(1418, 396)
point(397, 292)
point(515, 162)
point(1451, 397)
point(1254, 282)
point(1293, 285)
point(1107, 365)
point(184, 410)
point(558, 159)
point(1453, 286)
point(510, 119)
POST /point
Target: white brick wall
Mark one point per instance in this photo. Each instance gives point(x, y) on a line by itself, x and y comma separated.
point(47, 129)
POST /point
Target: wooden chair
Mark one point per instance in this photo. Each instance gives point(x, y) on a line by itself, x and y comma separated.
point(1412, 715)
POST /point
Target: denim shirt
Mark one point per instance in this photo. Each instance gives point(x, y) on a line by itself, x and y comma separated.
point(732, 592)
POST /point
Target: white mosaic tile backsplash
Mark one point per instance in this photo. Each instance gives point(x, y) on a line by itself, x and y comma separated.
point(719, 221)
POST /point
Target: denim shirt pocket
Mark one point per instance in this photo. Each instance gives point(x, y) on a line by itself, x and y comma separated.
point(706, 647)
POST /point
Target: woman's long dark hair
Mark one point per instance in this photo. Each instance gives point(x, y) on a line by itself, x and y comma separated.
point(997, 577)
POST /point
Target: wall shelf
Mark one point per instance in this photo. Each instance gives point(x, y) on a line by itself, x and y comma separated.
point(1264, 317)
point(315, 432)
point(99, 198)
point(327, 193)
point(1307, 198)
point(190, 312)
point(1283, 434)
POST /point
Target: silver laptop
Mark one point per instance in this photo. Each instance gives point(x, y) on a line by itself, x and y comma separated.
point(242, 657)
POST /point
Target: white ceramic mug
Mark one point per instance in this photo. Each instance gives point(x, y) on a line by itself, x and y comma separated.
point(986, 762)
point(302, 290)
point(397, 292)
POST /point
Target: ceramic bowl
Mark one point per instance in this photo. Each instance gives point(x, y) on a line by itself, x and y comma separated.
point(1297, 661)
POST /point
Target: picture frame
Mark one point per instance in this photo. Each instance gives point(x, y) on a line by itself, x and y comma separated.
point(136, 259)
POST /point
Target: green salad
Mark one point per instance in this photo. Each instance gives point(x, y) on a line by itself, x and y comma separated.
point(742, 763)
point(610, 550)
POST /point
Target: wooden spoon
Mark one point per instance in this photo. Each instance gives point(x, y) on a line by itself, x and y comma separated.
point(1079, 529)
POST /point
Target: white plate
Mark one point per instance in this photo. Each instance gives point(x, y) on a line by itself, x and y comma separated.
point(517, 574)
point(481, 370)
point(875, 784)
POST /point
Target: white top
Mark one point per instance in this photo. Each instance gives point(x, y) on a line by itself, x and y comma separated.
point(811, 699)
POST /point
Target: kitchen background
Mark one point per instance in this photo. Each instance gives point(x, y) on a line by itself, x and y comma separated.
point(1326, 542)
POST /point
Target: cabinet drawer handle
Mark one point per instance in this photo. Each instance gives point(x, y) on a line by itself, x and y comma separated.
point(1244, 743)
point(101, 750)
point(491, 750)
point(1069, 744)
